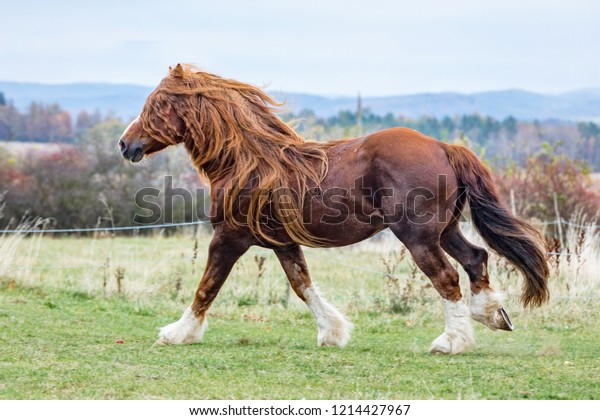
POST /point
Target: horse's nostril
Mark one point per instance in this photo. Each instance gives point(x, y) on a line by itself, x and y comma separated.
point(122, 145)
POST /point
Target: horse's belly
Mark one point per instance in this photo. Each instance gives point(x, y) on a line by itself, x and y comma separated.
point(341, 221)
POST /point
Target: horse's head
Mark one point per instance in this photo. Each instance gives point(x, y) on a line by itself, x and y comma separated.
point(158, 126)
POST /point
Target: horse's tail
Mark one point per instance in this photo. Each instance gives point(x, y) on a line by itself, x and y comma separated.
point(512, 238)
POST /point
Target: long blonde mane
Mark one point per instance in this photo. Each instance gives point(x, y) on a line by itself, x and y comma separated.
point(232, 133)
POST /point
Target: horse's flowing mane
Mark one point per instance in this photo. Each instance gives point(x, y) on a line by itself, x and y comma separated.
point(232, 134)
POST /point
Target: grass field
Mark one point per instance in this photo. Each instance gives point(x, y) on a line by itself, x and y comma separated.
point(64, 303)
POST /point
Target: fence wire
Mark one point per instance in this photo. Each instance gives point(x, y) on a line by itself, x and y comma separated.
point(341, 264)
point(104, 229)
point(206, 222)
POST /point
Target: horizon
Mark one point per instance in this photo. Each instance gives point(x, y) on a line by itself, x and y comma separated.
point(326, 96)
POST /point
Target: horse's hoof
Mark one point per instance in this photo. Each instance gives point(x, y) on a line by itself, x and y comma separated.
point(337, 334)
point(441, 345)
point(503, 321)
point(188, 330)
point(161, 341)
point(455, 342)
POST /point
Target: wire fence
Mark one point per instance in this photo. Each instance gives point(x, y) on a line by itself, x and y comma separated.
point(205, 222)
point(26, 231)
point(568, 223)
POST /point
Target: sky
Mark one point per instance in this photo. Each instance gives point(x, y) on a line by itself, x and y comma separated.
point(375, 47)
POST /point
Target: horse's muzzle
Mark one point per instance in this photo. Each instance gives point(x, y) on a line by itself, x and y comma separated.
point(133, 152)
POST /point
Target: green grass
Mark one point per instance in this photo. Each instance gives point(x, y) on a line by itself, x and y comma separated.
point(59, 330)
point(63, 346)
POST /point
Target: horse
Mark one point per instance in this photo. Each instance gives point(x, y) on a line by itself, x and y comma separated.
point(273, 189)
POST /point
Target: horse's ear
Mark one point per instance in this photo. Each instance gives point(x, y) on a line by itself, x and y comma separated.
point(177, 71)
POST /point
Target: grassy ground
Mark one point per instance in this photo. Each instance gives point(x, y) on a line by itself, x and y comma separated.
point(59, 329)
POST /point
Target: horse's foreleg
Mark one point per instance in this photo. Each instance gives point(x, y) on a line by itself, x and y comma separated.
point(222, 255)
point(485, 304)
point(334, 329)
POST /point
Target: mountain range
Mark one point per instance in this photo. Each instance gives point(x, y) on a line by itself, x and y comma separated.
point(126, 101)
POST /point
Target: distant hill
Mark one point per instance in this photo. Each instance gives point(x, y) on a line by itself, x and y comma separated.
point(577, 105)
point(126, 101)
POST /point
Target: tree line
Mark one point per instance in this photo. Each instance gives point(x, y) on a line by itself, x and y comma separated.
point(502, 142)
point(43, 123)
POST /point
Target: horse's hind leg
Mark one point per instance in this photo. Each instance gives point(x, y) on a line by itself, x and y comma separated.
point(334, 329)
point(485, 304)
point(425, 250)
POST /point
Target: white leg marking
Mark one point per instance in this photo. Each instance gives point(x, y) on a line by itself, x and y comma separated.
point(187, 330)
point(458, 335)
point(334, 328)
point(484, 308)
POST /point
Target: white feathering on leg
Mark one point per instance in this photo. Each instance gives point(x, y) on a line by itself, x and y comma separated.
point(187, 330)
point(484, 307)
point(458, 335)
point(334, 328)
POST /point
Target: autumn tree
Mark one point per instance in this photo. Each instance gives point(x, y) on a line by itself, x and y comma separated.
point(85, 121)
point(10, 122)
point(46, 124)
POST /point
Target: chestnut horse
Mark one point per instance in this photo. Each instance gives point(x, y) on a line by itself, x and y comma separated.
point(271, 188)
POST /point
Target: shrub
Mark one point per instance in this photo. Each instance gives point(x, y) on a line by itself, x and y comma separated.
point(543, 175)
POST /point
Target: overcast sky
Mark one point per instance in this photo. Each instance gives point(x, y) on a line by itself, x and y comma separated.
point(326, 47)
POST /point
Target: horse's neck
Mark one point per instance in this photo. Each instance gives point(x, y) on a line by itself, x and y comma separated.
point(211, 168)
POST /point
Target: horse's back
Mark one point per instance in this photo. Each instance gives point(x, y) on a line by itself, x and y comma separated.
point(406, 148)
point(397, 157)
